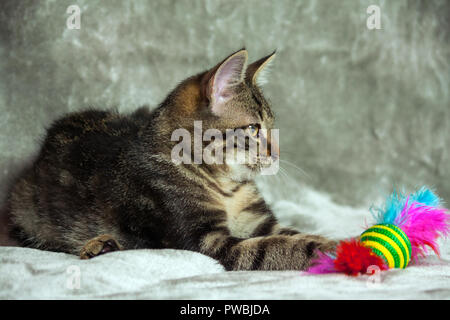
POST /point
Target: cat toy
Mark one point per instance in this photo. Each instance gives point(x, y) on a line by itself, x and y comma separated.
point(405, 228)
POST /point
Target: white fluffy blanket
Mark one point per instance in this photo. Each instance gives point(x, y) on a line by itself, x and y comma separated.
point(175, 274)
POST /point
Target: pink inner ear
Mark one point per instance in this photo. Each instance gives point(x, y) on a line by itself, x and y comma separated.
point(229, 74)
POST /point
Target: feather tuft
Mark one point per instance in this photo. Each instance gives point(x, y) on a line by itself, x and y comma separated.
point(324, 263)
point(353, 258)
point(395, 203)
point(423, 225)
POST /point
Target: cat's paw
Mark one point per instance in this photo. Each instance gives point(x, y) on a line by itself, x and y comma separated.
point(320, 244)
point(328, 246)
point(99, 245)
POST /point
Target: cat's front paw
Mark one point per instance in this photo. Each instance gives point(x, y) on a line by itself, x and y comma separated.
point(328, 246)
point(99, 245)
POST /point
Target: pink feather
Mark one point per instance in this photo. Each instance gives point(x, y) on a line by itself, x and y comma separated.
point(324, 263)
point(424, 225)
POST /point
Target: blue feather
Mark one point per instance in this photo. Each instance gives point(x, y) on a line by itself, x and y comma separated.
point(397, 200)
point(426, 197)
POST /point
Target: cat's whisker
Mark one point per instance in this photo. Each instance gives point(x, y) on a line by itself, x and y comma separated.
point(284, 174)
point(296, 168)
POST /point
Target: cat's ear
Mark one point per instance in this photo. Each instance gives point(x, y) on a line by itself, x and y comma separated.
point(257, 71)
point(223, 78)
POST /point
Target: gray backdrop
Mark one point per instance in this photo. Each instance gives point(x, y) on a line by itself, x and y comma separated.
point(359, 110)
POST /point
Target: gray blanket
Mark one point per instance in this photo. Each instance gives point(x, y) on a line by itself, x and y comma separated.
point(176, 274)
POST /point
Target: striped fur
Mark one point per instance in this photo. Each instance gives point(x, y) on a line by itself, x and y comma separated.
point(107, 179)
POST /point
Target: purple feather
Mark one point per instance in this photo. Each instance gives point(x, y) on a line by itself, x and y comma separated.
point(324, 263)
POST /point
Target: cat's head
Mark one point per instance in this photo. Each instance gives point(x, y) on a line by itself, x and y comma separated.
point(228, 99)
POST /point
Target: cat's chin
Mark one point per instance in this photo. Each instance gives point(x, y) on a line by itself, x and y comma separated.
point(241, 172)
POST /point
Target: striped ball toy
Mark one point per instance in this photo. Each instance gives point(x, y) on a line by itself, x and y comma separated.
point(389, 242)
point(405, 227)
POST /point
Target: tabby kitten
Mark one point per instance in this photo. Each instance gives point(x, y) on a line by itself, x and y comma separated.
point(104, 181)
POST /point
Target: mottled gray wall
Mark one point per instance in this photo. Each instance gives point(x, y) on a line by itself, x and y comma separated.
point(358, 110)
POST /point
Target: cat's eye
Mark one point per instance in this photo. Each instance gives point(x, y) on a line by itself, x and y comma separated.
point(253, 129)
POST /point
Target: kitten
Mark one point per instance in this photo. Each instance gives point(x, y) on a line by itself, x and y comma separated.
point(104, 181)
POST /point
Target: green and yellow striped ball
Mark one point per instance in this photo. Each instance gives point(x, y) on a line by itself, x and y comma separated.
point(389, 242)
